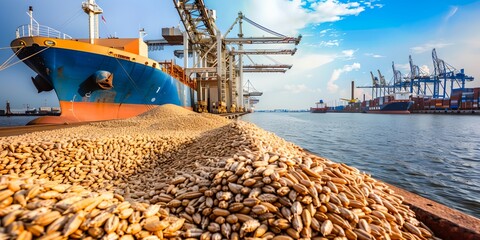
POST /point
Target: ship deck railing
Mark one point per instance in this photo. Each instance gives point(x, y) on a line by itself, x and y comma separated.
point(177, 72)
point(38, 30)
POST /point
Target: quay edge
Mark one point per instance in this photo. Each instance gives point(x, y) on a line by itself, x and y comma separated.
point(445, 222)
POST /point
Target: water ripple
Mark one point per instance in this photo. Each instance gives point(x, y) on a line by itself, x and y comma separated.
point(430, 155)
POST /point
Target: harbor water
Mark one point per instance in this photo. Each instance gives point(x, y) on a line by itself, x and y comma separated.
point(435, 156)
point(12, 121)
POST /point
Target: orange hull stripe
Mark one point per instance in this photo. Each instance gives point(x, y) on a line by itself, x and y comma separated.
point(87, 112)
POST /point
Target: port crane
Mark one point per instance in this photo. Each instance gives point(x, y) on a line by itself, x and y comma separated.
point(251, 94)
point(215, 63)
point(444, 72)
point(383, 83)
point(435, 85)
point(379, 85)
point(422, 83)
point(241, 40)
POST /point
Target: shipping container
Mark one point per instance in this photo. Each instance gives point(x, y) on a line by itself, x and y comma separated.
point(44, 109)
point(446, 103)
point(456, 92)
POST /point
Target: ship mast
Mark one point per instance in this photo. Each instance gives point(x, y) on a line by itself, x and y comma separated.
point(92, 9)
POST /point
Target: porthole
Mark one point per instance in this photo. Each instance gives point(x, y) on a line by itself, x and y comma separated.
point(49, 43)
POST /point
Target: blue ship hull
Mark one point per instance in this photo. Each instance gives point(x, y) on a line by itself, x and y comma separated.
point(391, 107)
point(137, 87)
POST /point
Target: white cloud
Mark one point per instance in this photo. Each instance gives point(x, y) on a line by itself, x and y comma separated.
point(325, 31)
point(299, 88)
point(311, 61)
point(295, 88)
point(369, 4)
point(402, 67)
point(331, 86)
point(425, 69)
point(348, 54)
point(289, 16)
point(332, 10)
point(451, 13)
point(330, 43)
point(374, 55)
point(429, 46)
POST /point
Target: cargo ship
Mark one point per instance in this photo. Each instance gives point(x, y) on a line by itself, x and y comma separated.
point(321, 107)
point(396, 103)
point(99, 79)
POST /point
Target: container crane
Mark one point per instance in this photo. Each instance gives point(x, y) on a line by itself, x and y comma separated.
point(375, 85)
point(250, 94)
point(444, 71)
point(241, 40)
point(397, 79)
point(420, 81)
point(379, 85)
point(215, 64)
point(383, 83)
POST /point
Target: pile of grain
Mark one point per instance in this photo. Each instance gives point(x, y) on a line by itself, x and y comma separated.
point(201, 176)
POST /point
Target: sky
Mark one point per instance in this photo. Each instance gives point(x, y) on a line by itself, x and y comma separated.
point(342, 41)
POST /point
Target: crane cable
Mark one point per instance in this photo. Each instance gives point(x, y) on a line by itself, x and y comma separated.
point(5, 66)
point(263, 28)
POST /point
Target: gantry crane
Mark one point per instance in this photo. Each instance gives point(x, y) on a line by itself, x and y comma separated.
point(240, 51)
point(215, 64)
point(444, 71)
point(379, 85)
point(435, 85)
point(398, 84)
point(250, 94)
point(420, 81)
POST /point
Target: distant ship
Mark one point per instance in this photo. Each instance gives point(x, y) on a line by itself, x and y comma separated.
point(321, 107)
point(396, 103)
point(99, 79)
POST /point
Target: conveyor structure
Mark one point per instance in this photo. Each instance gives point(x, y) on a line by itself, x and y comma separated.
point(213, 61)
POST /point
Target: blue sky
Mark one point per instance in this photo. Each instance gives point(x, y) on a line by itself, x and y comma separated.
point(342, 41)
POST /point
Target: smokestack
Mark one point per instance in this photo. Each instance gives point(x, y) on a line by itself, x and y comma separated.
point(353, 86)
